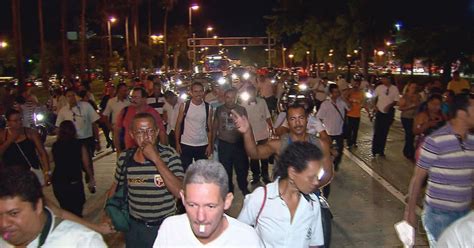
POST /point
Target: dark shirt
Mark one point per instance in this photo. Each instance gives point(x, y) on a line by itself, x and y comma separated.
point(68, 161)
point(226, 129)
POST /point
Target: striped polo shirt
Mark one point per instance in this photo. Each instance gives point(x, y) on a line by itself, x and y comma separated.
point(148, 197)
point(450, 166)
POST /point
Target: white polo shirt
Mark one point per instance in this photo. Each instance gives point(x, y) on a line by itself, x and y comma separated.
point(274, 223)
point(113, 108)
point(386, 95)
point(82, 115)
point(172, 113)
point(258, 114)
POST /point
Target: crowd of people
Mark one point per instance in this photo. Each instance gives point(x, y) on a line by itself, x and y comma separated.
point(176, 156)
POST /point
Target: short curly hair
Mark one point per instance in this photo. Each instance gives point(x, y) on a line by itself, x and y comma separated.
point(297, 155)
point(16, 181)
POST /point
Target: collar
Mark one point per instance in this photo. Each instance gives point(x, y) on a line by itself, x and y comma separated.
point(273, 192)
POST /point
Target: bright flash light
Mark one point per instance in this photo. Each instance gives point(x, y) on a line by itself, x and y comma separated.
point(179, 82)
point(303, 87)
point(246, 75)
point(39, 117)
point(368, 95)
point(234, 76)
point(221, 81)
point(273, 81)
point(245, 96)
point(184, 96)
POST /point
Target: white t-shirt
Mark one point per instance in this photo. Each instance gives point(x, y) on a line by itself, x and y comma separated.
point(176, 232)
point(67, 234)
point(275, 226)
point(331, 118)
point(113, 108)
point(386, 95)
point(172, 113)
point(82, 115)
point(195, 122)
point(258, 114)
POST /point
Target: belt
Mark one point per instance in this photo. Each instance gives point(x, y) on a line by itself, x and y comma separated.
point(148, 223)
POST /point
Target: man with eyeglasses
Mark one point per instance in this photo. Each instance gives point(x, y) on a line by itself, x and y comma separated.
point(386, 97)
point(446, 159)
point(153, 176)
point(85, 120)
point(138, 104)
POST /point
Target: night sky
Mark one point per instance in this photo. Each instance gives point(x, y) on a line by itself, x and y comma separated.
point(228, 17)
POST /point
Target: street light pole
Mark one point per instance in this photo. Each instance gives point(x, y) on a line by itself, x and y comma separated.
point(109, 24)
point(190, 16)
point(208, 29)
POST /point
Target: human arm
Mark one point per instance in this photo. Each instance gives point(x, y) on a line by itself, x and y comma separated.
point(43, 155)
point(95, 128)
point(87, 166)
point(210, 145)
point(327, 161)
point(6, 143)
point(215, 125)
point(173, 182)
point(177, 128)
point(414, 191)
point(117, 128)
point(253, 151)
point(422, 123)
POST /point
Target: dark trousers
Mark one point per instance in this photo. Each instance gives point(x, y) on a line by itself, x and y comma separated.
point(188, 153)
point(140, 235)
point(382, 125)
point(352, 130)
point(171, 139)
point(234, 155)
point(338, 144)
point(106, 131)
point(70, 196)
point(409, 147)
point(255, 166)
point(90, 146)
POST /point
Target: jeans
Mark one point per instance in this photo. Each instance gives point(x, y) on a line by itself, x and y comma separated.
point(409, 147)
point(234, 155)
point(352, 130)
point(140, 235)
point(255, 166)
point(435, 221)
point(382, 124)
point(188, 153)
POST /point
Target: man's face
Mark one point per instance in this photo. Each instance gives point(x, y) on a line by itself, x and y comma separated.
point(20, 223)
point(144, 130)
point(385, 81)
point(157, 89)
point(14, 121)
point(297, 120)
point(122, 92)
point(71, 98)
point(230, 99)
point(136, 98)
point(197, 92)
point(307, 180)
point(205, 209)
point(335, 93)
point(172, 100)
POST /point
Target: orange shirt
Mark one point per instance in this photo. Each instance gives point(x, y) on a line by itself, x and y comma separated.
point(356, 98)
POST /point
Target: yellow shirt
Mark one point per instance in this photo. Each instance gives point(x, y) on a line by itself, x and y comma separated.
point(458, 86)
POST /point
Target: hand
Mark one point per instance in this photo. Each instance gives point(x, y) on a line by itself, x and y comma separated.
point(104, 228)
point(241, 122)
point(410, 217)
point(91, 185)
point(149, 150)
point(209, 150)
point(178, 148)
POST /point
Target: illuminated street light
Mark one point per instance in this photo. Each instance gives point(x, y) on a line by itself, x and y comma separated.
point(380, 53)
point(388, 43)
point(356, 51)
point(307, 52)
point(348, 55)
point(398, 26)
point(3, 44)
point(291, 56)
point(112, 19)
point(244, 48)
point(109, 23)
point(208, 30)
point(215, 36)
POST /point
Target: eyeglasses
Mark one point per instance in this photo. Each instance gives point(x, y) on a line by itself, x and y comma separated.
point(74, 115)
point(461, 143)
point(388, 91)
point(144, 132)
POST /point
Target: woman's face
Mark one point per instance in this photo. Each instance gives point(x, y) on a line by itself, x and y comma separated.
point(307, 180)
point(14, 121)
point(434, 105)
point(412, 88)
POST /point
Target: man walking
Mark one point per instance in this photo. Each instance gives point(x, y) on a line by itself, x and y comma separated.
point(193, 128)
point(386, 97)
point(153, 175)
point(446, 159)
point(115, 105)
point(231, 151)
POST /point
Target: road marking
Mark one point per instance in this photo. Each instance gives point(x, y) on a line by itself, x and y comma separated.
point(395, 192)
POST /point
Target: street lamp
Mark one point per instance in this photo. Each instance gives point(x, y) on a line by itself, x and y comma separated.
point(109, 23)
point(3, 44)
point(193, 6)
point(307, 60)
point(291, 56)
point(208, 29)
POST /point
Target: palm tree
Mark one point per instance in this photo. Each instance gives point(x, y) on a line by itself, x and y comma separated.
point(168, 6)
point(18, 40)
point(82, 37)
point(64, 42)
point(44, 76)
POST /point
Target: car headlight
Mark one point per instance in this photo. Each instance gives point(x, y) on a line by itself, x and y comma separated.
point(246, 76)
point(368, 94)
point(39, 117)
point(245, 96)
point(179, 82)
point(303, 87)
point(234, 76)
point(184, 96)
point(221, 81)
